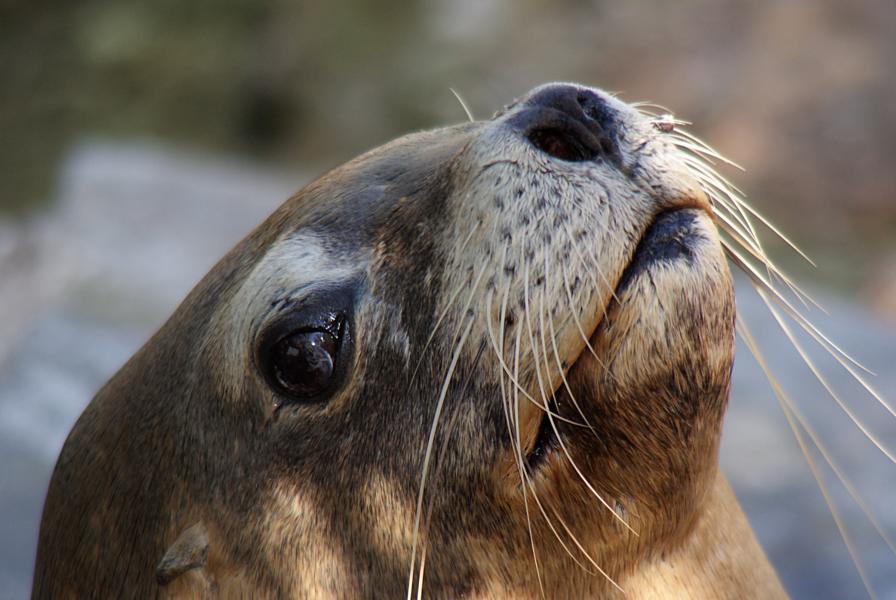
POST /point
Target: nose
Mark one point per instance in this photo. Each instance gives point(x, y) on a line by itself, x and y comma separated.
point(570, 123)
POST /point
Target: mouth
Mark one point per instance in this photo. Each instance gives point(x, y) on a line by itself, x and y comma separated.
point(673, 237)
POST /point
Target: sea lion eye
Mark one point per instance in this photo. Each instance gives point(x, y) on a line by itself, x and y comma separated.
point(559, 144)
point(303, 355)
point(302, 363)
point(304, 350)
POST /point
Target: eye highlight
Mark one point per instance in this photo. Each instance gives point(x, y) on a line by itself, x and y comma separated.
point(302, 363)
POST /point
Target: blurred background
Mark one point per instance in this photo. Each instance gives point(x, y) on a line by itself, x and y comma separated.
point(140, 140)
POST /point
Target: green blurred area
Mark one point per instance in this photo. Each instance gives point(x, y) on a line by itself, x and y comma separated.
point(800, 92)
point(237, 76)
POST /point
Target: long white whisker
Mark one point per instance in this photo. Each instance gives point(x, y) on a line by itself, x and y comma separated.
point(569, 457)
point(448, 305)
point(734, 217)
point(684, 139)
point(779, 392)
point(582, 259)
point(804, 298)
point(422, 569)
point(725, 192)
point(809, 363)
point(521, 461)
point(534, 349)
point(513, 377)
point(429, 444)
point(847, 484)
point(777, 232)
point(584, 552)
point(762, 283)
point(581, 329)
point(556, 352)
point(541, 386)
point(732, 192)
point(518, 458)
point(463, 105)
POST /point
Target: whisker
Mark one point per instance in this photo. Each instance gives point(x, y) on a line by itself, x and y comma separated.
point(779, 392)
point(534, 348)
point(731, 191)
point(422, 568)
point(449, 428)
point(707, 149)
point(499, 354)
point(524, 475)
point(584, 552)
point(518, 459)
point(569, 457)
point(513, 377)
point(594, 262)
point(541, 386)
point(463, 105)
point(578, 323)
point(821, 379)
point(429, 445)
point(703, 158)
point(556, 353)
point(804, 297)
point(556, 533)
point(725, 196)
point(722, 192)
point(604, 366)
point(662, 111)
point(536, 361)
point(449, 305)
point(687, 141)
point(734, 217)
point(774, 229)
point(761, 283)
point(736, 231)
point(847, 484)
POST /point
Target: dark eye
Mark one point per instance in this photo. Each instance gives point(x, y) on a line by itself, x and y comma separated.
point(559, 144)
point(304, 351)
point(303, 363)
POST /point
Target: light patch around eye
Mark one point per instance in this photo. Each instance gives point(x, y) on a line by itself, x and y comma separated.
point(293, 269)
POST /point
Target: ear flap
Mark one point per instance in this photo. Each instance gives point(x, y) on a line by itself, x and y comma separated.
point(188, 552)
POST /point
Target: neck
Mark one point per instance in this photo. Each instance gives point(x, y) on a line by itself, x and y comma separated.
point(719, 559)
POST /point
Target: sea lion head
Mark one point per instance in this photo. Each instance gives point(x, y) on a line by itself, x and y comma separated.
point(484, 360)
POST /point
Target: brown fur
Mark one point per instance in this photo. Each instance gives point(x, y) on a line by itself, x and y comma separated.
point(480, 272)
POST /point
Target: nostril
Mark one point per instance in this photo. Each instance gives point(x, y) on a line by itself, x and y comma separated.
point(570, 123)
point(560, 144)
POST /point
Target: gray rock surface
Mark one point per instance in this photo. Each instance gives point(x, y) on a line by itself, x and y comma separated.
point(82, 286)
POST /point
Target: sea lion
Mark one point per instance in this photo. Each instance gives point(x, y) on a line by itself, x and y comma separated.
point(485, 361)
